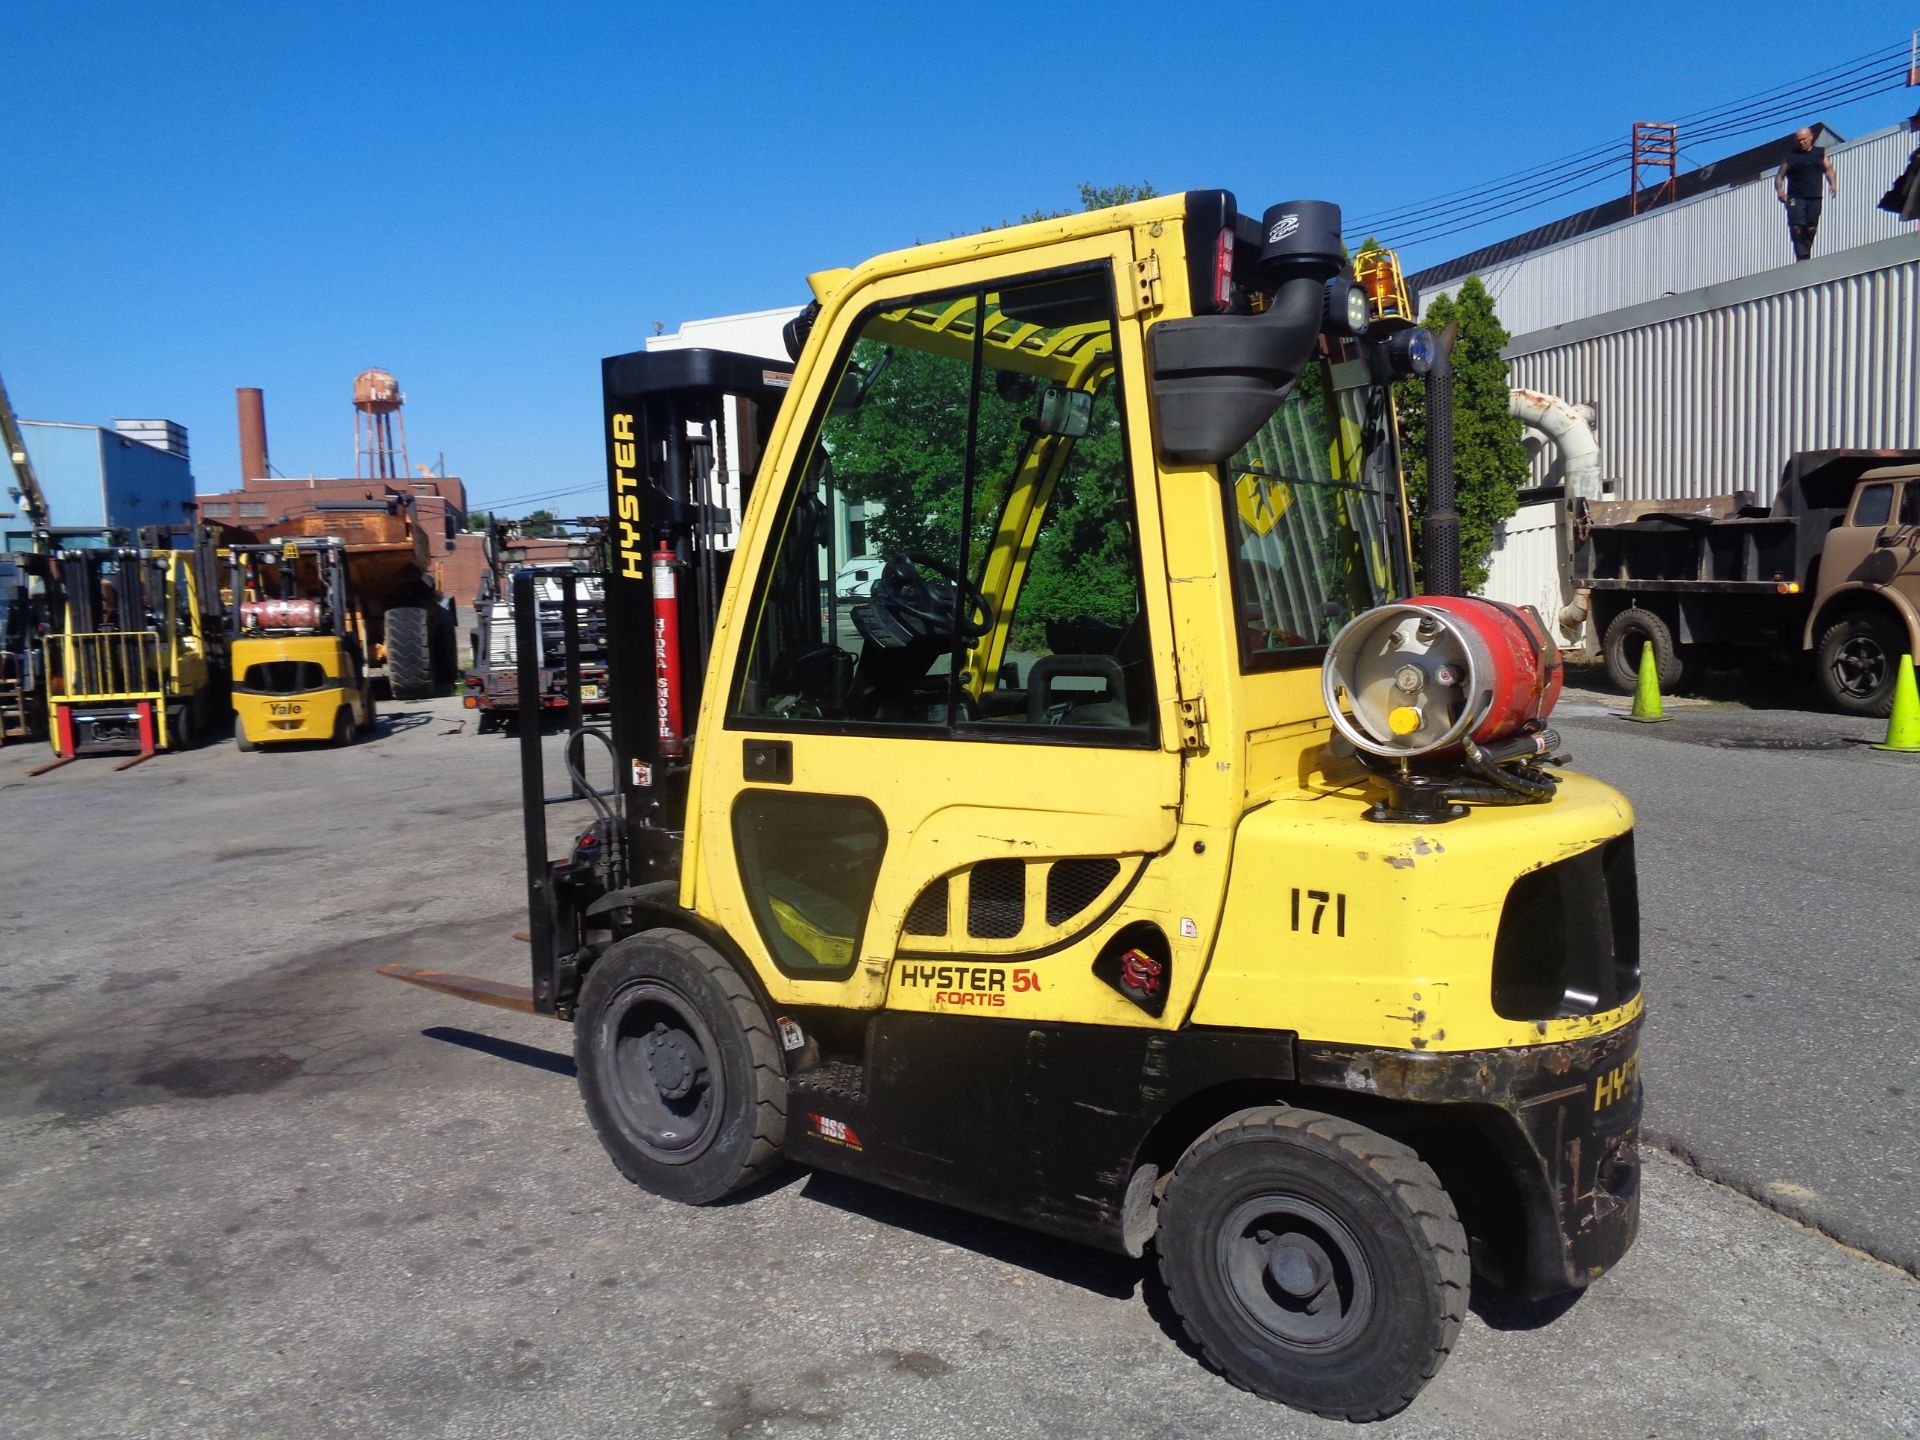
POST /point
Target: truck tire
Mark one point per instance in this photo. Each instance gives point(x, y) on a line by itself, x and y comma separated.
point(682, 1077)
point(1634, 628)
point(410, 652)
point(1314, 1261)
point(1858, 658)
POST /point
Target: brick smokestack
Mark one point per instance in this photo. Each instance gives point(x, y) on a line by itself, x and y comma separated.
point(253, 434)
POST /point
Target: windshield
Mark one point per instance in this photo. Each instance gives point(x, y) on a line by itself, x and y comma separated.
point(1313, 517)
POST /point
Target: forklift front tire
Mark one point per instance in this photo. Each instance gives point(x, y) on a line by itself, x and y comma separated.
point(1314, 1262)
point(679, 1068)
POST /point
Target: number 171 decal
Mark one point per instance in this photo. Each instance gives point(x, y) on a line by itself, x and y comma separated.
point(1317, 903)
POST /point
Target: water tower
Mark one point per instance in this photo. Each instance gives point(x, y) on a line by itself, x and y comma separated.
point(376, 408)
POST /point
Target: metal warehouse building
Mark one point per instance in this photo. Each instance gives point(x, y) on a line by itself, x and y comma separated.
point(1707, 355)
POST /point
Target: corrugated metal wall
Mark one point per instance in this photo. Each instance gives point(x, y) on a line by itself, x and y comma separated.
point(1710, 239)
point(1716, 400)
point(1525, 566)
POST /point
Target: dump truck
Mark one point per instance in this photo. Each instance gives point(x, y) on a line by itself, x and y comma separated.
point(405, 623)
point(1139, 859)
point(1830, 572)
point(298, 644)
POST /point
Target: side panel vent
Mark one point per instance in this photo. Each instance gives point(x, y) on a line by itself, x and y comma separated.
point(997, 899)
point(929, 913)
point(1073, 885)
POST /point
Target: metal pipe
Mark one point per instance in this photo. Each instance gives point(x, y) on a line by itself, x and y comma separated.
point(1440, 530)
point(253, 434)
point(1572, 436)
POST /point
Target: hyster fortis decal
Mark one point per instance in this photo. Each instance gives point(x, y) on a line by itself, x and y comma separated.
point(983, 986)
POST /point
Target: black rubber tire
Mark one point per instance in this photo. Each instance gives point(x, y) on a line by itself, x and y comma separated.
point(1375, 1219)
point(1857, 662)
point(1629, 631)
point(240, 740)
point(410, 652)
point(343, 730)
point(662, 1012)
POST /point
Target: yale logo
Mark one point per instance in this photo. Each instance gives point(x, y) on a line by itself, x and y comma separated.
point(626, 489)
point(1616, 1084)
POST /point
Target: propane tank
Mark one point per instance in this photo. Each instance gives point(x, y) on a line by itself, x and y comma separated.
point(1424, 677)
point(258, 615)
point(666, 654)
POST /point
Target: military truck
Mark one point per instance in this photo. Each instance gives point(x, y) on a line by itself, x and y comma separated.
point(1830, 570)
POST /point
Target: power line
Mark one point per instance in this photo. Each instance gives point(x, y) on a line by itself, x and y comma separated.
point(1846, 81)
point(512, 500)
point(1447, 221)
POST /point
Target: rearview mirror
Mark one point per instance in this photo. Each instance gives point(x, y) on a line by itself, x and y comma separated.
point(1064, 412)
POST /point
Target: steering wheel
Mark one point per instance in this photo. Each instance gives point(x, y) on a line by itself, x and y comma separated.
point(918, 591)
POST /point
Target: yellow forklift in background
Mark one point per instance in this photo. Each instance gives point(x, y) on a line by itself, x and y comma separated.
point(1139, 860)
point(138, 657)
point(299, 650)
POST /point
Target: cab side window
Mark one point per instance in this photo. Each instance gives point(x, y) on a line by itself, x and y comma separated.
point(1910, 503)
point(1874, 506)
point(971, 459)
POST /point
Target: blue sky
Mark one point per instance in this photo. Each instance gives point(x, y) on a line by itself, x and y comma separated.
point(487, 199)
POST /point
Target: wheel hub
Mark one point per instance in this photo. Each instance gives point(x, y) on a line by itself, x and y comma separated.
point(670, 1062)
point(1298, 1267)
point(1296, 1271)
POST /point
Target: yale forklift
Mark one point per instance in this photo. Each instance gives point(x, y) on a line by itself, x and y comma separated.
point(1139, 860)
point(299, 657)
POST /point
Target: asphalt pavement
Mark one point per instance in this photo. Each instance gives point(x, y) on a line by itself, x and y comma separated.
point(249, 1189)
point(1779, 863)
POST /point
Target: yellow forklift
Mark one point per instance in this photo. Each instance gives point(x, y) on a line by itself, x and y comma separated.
point(137, 660)
point(1139, 860)
point(299, 654)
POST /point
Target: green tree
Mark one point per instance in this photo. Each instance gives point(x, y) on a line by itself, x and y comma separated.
point(479, 520)
point(538, 522)
point(1489, 460)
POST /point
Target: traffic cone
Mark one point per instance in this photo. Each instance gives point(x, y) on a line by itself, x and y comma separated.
point(1646, 690)
point(1903, 725)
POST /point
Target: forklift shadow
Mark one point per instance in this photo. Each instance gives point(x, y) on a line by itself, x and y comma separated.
point(392, 722)
point(1500, 1311)
point(532, 1056)
point(1113, 1276)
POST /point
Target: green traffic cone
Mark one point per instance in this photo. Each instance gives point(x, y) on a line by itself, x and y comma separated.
point(1646, 690)
point(1903, 724)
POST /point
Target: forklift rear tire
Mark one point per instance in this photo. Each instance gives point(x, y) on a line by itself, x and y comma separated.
point(343, 731)
point(240, 739)
point(1314, 1262)
point(682, 1077)
point(410, 652)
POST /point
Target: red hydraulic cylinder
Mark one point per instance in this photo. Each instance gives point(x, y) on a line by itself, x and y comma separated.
point(666, 654)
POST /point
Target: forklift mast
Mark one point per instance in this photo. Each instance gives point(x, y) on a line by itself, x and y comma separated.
point(671, 417)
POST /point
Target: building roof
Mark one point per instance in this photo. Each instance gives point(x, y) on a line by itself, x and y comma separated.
point(1735, 169)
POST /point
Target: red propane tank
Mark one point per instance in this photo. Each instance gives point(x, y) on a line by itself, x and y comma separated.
point(1421, 675)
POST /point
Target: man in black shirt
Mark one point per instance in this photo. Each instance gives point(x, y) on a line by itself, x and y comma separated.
point(1797, 183)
